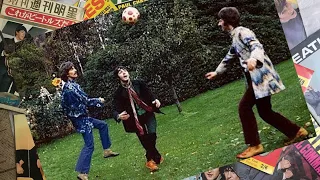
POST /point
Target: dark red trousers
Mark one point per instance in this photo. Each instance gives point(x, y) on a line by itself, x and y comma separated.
point(249, 122)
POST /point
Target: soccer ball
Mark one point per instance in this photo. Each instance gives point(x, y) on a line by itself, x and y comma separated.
point(130, 15)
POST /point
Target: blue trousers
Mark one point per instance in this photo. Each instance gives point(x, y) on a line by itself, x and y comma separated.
point(84, 161)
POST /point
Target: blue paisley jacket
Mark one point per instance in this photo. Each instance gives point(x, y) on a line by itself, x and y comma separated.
point(265, 80)
point(74, 102)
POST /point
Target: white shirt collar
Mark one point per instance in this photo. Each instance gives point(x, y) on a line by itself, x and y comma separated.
point(16, 40)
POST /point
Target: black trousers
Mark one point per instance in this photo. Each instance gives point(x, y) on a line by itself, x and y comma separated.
point(148, 141)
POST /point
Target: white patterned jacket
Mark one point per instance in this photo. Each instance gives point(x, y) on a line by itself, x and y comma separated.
point(265, 80)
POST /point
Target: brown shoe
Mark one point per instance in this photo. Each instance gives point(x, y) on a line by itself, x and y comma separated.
point(108, 153)
point(301, 134)
point(251, 151)
point(83, 177)
point(152, 166)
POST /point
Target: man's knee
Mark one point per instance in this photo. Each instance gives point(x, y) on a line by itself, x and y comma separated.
point(99, 124)
point(265, 113)
point(103, 126)
point(89, 146)
point(88, 141)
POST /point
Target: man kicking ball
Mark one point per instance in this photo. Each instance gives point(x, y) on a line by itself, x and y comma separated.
point(262, 82)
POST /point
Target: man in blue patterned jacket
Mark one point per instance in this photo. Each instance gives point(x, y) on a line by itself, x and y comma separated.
point(262, 82)
point(74, 103)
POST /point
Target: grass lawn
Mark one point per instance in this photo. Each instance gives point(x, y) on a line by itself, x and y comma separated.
point(207, 134)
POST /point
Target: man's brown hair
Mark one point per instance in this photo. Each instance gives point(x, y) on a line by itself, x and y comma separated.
point(230, 15)
point(64, 70)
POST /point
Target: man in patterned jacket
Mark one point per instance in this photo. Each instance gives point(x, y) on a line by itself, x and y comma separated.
point(262, 82)
point(74, 103)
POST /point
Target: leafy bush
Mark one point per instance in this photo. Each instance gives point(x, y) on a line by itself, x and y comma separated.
point(46, 119)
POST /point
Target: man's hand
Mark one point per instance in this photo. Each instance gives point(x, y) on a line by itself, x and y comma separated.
point(284, 164)
point(251, 63)
point(288, 174)
point(39, 164)
point(123, 116)
point(157, 102)
point(211, 75)
point(19, 168)
point(101, 100)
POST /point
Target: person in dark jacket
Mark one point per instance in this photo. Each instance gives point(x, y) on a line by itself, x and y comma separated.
point(134, 105)
point(8, 46)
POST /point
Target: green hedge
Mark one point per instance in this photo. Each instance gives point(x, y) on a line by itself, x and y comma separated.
point(46, 119)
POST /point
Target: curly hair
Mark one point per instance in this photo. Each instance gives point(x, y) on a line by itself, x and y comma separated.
point(64, 70)
point(230, 15)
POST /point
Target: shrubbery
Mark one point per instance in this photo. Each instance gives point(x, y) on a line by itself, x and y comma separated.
point(46, 119)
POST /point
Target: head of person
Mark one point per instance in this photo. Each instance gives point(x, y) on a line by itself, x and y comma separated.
point(229, 174)
point(20, 32)
point(68, 71)
point(212, 174)
point(285, 10)
point(122, 74)
point(229, 18)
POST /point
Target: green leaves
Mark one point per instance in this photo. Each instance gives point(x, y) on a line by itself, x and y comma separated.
point(47, 120)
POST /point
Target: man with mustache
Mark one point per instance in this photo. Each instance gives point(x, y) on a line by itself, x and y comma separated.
point(74, 103)
point(134, 105)
point(262, 82)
